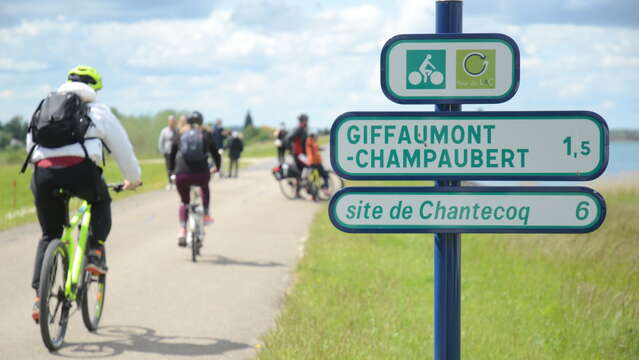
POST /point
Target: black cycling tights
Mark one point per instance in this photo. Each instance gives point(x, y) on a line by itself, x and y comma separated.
point(83, 180)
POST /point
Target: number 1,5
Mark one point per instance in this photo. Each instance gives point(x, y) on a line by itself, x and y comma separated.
point(585, 147)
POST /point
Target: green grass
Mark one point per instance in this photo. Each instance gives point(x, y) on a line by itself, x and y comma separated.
point(16, 200)
point(12, 156)
point(260, 150)
point(369, 296)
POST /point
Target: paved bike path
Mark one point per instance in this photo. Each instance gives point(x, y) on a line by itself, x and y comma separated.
point(158, 303)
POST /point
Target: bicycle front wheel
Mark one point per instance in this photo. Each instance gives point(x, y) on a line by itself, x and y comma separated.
point(194, 235)
point(334, 183)
point(194, 250)
point(54, 306)
point(93, 298)
point(288, 186)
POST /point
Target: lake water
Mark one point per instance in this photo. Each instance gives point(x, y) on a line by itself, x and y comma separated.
point(624, 156)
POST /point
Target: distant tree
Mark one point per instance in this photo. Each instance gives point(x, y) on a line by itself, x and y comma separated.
point(5, 138)
point(16, 127)
point(248, 120)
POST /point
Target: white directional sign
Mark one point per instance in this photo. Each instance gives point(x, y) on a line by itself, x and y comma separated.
point(467, 209)
point(469, 145)
point(450, 68)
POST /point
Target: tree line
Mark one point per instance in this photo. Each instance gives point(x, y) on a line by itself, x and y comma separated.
point(143, 130)
point(13, 132)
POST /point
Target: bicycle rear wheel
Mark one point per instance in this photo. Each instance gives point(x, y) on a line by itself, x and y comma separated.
point(54, 306)
point(93, 298)
point(288, 187)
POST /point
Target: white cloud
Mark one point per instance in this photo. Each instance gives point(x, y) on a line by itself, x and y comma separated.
point(617, 61)
point(575, 88)
point(583, 4)
point(324, 65)
point(350, 20)
point(6, 93)
point(414, 16)
point(529, 63)
point(248, 83)
point(605, 105)
point(7, 64)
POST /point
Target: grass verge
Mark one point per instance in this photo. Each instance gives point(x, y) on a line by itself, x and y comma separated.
point(16, 200)
point(370, 296)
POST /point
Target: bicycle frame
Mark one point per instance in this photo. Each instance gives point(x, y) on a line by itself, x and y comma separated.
point(195, 207)
point(315, 177)
point(76, 248)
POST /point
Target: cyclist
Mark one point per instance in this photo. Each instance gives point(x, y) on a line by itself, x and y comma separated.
point(315, 160)
point(192, 168)
point(297, 143)
point(71, 168)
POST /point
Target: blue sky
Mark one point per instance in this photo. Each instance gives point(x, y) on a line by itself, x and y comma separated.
point(280, 58)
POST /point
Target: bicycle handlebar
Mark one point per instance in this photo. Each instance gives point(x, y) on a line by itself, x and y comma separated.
point(118, 187)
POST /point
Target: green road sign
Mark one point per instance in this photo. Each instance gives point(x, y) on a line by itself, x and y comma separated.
point(533, 145)
point(467, 209)
point(450, 68)
point(420, 62)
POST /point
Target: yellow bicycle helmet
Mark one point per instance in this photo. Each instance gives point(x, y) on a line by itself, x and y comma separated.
point(87, 75)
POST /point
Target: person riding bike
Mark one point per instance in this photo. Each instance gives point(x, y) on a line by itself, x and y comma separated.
point(76, 168)
point(192, 168)
point(297, 143)
point(315, 160)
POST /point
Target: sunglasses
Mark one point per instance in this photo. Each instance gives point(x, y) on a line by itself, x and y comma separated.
point(82, 78)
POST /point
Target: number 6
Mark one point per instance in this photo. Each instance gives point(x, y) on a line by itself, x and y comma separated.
point(582, 210)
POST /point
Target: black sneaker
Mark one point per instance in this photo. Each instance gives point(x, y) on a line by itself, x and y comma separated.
point(96, 264)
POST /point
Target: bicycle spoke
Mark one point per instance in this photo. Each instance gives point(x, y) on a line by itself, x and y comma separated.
point(55, 313)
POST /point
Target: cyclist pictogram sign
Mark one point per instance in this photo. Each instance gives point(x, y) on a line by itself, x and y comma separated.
point(450, 68)
point(427, 69)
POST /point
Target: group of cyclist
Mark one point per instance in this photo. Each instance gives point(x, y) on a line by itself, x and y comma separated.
point(305, 151)
point(76, 167)
point(225, 140)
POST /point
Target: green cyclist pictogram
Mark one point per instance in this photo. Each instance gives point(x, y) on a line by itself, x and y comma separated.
point(426, 69)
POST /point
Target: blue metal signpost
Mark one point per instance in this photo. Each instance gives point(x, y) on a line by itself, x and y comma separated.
point(448, 245)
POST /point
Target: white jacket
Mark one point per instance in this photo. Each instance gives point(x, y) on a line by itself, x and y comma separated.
point(167, 139)
point(104, 126)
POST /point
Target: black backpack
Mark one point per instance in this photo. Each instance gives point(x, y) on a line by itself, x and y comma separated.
point(60, 119)
point(192, 146)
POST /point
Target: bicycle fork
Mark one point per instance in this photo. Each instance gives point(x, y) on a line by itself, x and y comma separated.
point(76, 249)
